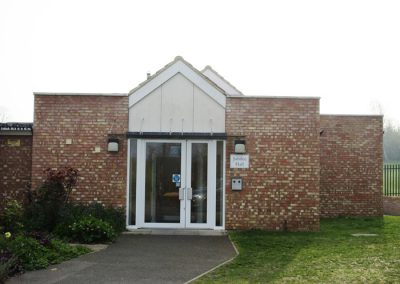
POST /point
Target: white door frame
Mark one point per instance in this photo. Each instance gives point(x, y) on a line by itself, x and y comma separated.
point(186, 147)
point(211, 183)
point(140, 184)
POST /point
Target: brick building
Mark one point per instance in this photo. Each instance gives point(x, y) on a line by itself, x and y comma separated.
point(186, 149)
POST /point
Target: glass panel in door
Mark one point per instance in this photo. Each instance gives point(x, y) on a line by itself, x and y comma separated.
point(162, 182)
point(198, 181)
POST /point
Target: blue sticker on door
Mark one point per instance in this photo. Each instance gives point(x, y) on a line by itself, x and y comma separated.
point(176, 178)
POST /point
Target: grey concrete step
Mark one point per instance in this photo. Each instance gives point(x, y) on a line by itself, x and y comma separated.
point(177, 232)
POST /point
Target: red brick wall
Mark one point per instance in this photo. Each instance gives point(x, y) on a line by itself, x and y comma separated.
point(15, 167)
point(351, 165)
point(281, 187)
point(88, 121)
point(391, 205)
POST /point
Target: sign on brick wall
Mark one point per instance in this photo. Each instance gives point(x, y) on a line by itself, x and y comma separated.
point(13, 142)
point(239, 161)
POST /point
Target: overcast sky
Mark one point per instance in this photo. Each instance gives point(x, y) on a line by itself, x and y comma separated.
point(346, 52)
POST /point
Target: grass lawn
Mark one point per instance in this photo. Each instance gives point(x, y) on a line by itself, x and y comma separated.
point(332, 255)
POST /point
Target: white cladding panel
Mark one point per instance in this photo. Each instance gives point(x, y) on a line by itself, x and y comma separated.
point(177, 105)
point(208, 115)
point(145, 115)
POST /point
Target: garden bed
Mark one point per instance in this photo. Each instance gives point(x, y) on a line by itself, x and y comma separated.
point(36, 234)
point(25, 252)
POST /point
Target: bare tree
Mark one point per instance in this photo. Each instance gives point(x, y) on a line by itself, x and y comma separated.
point(376, 107)
point(3, 117)
point(391, 142)
point(3, 114)
point(391, 137)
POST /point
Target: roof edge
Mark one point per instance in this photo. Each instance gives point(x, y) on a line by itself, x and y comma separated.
point(79, 94)
point(353, 115)
point(219, 75)
point(176, 59)
point(274, 97)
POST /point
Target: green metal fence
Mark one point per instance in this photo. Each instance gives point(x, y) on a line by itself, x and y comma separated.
point(391, 179)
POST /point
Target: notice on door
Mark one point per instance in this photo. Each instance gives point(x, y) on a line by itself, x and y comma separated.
point(240, 161)
point(176, 178)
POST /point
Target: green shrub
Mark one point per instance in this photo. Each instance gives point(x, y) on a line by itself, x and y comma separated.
point(3, 243)
point(9, 265)
point(90, 230)
point(64, 251)
point(43, 213)
point(34, 255)
point(73, 213)
point(59, 251)
point(114, 216)
point(3, 272)
point(30, 252)
point(47, 201)
point(6, 268)
point(12, 217)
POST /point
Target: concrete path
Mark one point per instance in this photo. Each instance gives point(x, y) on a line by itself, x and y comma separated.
point(140, 259)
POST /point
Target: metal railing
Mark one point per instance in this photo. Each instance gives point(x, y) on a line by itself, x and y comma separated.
point(391, 179)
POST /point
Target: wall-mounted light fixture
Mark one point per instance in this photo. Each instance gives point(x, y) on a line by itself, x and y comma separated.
point(113, 145)
point(240, 146)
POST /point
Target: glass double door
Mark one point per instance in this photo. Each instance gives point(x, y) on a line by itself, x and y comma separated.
point(177, 183)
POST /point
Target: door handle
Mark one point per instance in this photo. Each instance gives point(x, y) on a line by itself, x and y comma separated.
point(189, 193)
point(181, 193)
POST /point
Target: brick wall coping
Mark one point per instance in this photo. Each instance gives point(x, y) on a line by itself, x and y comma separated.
point(353, 115)
point(22, 126)
point(273, 97)
point(81, 94)
point(16, 128)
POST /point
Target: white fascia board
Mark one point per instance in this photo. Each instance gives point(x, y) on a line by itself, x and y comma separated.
point(80, 94)
point(178, 67)
point(221, 82)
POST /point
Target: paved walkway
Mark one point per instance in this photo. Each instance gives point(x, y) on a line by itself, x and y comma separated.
point(140, 259)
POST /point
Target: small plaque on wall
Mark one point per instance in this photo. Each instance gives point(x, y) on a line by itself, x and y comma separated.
point(240, 161)
point(13, 142)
